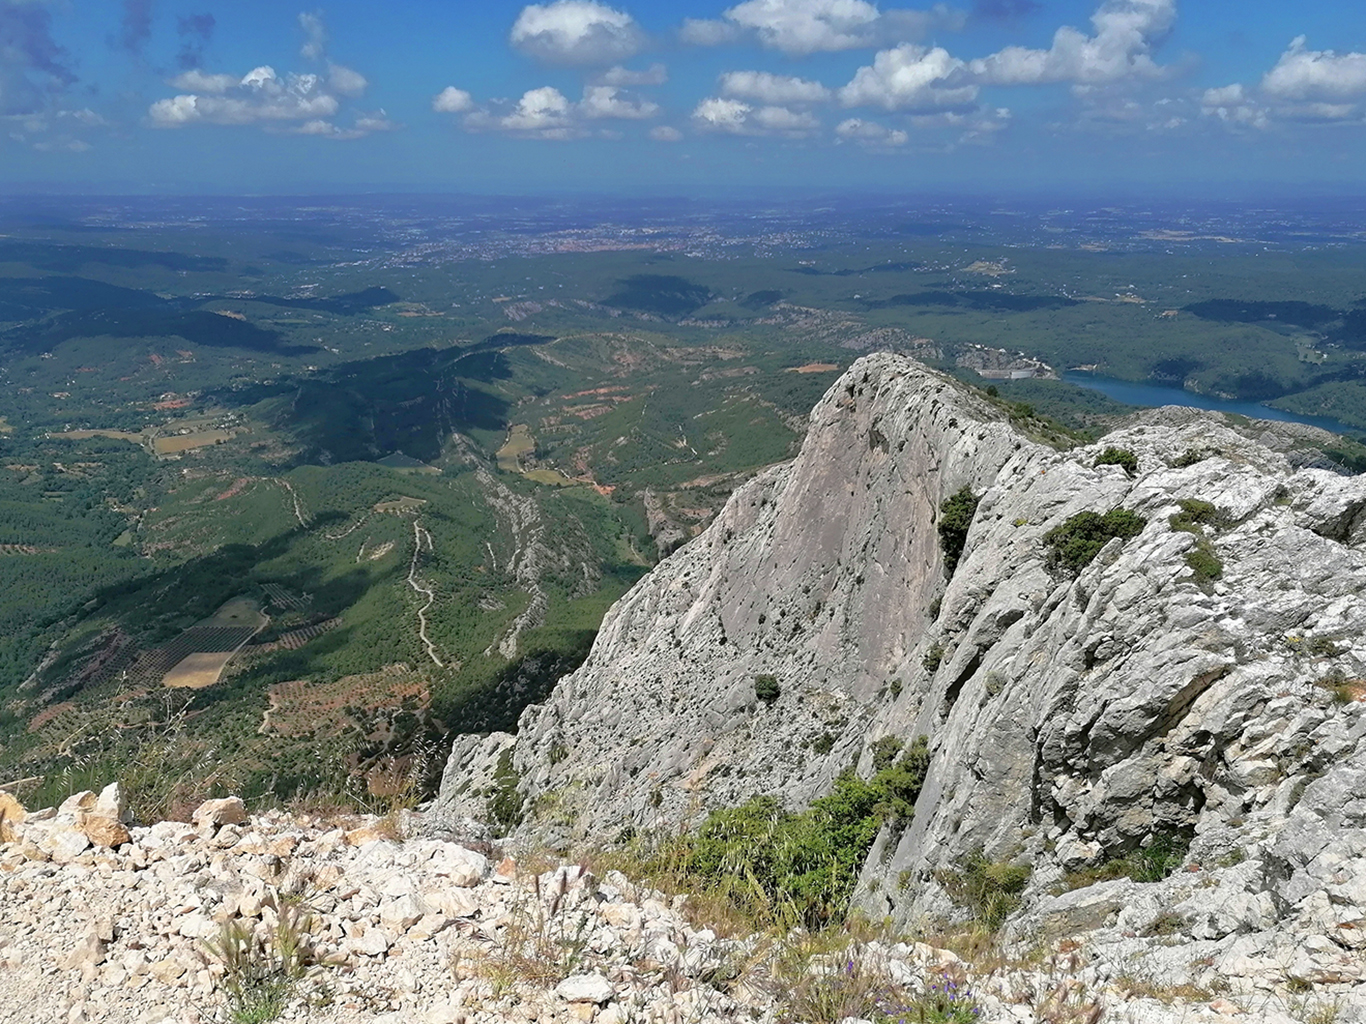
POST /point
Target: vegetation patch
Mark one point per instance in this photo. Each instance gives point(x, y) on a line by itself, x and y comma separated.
point(991, 890)
point(1121, 457)
point(780, 867)
point(766, 688)
point(1163, 855)
point(1077, 541)
point(505, 803)
point(1195, 514)
point(955, 517)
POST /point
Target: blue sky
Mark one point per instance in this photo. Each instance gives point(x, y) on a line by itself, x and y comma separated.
point(1176, 96)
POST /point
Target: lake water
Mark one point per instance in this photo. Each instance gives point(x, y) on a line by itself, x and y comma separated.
point(1153, 395)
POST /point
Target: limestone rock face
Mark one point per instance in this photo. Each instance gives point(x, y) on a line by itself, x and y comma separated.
point(1071, 720)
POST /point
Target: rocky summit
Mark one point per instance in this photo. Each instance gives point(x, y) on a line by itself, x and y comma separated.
point(1163, 732)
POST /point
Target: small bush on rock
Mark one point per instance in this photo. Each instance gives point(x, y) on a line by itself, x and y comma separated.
point(505, 803)
point(1121, 457)
point(955, 517)
point(795, 868)
point(766, 688)
point(990, 889)
point(1077, 541)
point(1195, 514)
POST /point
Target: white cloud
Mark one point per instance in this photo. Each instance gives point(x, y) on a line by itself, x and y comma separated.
point(798, 27)
point(297, 103)
point(663, 133)
point(764, 87)
point(1125, 32)
point(346, 81)
point(1303, 74)
point(655, 74)
point(734, 117)
point(451, 100)
point(315, 35)
point(805, 26)
point(721, 115)
point(910, 77)
point(195, 80)
point(539, 110)
point(1313, 86)
point(576, 32)
point(708, 32)
point(601, 101)
point(870, 133)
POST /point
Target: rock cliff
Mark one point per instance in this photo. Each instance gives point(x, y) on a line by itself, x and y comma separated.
point(1195, 691)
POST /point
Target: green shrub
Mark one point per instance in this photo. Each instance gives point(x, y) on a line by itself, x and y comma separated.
point(505, 802)
point(933, 658)
point(1190, 457)
point(990, 889)
point(1204, 563)
point(1121, 457)
point(823, 744)
point(788, 868)
point(766, 688)
point(885, 750)
point(955, 517)
point(1195, 514)
point(1163, 855)
point(1077, 541)
point(895, 687)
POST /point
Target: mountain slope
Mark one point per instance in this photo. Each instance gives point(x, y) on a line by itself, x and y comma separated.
point(1191, 691)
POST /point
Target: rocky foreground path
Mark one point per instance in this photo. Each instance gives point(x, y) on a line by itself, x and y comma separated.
point(101, 921)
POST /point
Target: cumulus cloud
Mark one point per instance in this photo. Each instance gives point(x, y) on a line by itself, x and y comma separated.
point(870, 134)
point(451, 100)
point(260, 96)
point(600, 101)
point(1304, 86)
point(910, 77)
point(290, 103)
point(798, 27)
point(764, 87)
point(546, 113)
point(576, 32)
point(1303, 74)
point(655, 74)
point(1125, 32)
point(663, 133)
point(733, 117)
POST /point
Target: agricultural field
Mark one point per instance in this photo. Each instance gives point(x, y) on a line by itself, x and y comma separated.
point(418, 452)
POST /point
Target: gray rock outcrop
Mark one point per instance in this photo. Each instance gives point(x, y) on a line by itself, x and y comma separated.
point(1151, 701)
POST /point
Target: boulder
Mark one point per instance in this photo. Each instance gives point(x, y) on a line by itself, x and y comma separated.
point(227, 811)
point(586, 988)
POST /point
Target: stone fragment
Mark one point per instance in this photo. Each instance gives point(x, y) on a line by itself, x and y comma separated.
point(12, 815)
point(104, 830)
point(111, 803)
point(585, 988)
point(88, 951)
point(227, 811)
